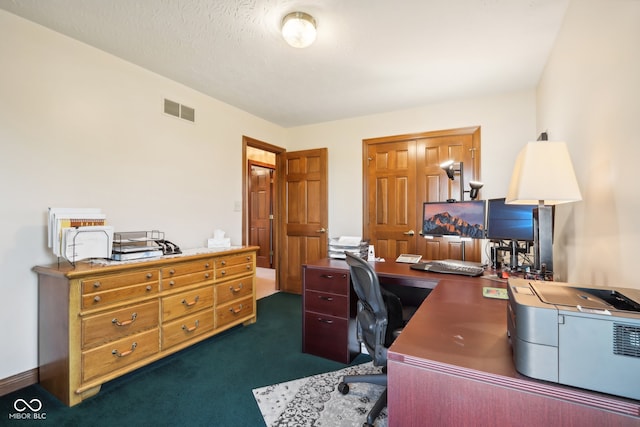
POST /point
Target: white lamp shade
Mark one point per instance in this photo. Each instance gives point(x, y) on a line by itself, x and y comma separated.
point(299, 29)
point(543, 172)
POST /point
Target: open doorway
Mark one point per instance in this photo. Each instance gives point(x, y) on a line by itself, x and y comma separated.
point(259, 214)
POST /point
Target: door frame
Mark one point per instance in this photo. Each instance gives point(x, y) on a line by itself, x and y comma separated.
point(278, 151)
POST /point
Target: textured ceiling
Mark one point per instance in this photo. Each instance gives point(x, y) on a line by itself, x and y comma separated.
point(371, 56)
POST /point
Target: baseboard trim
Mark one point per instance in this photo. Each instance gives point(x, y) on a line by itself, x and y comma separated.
point(18, 381)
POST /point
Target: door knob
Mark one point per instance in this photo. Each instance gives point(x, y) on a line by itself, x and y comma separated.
point(322, 230)
point(409, 233)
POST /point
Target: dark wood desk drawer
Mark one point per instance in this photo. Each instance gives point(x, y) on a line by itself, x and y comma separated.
point(333, 281)
point(326, 303)
point(326, 336)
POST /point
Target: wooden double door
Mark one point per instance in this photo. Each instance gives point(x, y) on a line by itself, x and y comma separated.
point(400, 174)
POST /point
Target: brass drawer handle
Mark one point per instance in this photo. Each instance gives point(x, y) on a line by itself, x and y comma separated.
point(327, 276)
point(322, 297)
point(327, 321)
point(116, 352)
point(191, 304)
point(236, 310)
point(236, 290)
point(191, 329)
point(116, 322)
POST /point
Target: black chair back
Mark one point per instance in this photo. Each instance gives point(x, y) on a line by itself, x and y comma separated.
point(372, 314)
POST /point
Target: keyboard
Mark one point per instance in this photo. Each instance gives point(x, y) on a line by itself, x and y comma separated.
point(450, 266)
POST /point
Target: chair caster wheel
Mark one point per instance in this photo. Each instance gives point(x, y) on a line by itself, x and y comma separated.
point(343, 388)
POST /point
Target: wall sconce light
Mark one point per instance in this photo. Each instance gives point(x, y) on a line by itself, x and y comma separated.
point(299, 29)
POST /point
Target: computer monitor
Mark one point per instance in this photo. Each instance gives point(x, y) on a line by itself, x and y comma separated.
point(462, 219)
point(509, 222)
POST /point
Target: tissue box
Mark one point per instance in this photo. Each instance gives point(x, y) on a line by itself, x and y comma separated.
point(225, 242)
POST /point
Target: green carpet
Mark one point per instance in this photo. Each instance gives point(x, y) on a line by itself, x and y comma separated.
point(209, 384)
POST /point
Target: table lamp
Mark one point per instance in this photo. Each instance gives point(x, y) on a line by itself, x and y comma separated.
point(543, 175)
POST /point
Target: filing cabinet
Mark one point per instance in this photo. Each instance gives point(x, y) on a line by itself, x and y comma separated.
point(329, 309)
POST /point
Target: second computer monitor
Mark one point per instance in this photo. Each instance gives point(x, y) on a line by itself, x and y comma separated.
point(509, 222)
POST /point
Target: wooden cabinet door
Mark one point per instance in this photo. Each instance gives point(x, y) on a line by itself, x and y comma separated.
point(400, 174)
point(305, 206)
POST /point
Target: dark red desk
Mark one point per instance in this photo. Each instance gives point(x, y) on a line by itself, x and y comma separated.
point(452, 366)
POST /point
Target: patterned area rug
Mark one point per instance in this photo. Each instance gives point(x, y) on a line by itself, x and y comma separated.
point(316, 401)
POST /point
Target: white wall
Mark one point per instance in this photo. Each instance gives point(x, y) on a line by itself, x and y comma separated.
point(589, 96)
point(81, 128)
point(507, 122)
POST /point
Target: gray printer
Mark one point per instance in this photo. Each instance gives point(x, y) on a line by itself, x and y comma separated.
point(587, 337)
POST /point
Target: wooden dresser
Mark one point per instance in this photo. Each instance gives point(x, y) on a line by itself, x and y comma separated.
point(98, 322)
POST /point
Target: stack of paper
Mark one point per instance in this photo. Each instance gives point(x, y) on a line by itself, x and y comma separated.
point(354, 244)
point(79, 233)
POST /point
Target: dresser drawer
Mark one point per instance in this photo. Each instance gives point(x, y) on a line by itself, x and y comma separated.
point(186, 279)
point(326, 336)
point(103, 328)
point(186, 302)
point(234, 289)
point(103, 299)
point(333, 281)
point(119, 354)
point(113, 281)
point(228, 313)
point(231, 260)
point(234, 270)
point(184, 329)
point(187, 268)
point(326, 303)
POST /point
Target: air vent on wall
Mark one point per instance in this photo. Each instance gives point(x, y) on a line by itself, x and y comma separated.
point(626, 340)
point(181, 111)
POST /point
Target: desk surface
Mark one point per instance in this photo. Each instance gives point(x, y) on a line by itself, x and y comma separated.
point(456, 343)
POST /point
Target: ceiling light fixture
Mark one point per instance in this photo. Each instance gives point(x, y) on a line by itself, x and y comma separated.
point(299, 29)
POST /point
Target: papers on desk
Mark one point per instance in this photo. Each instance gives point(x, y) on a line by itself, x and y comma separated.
point(353, 244)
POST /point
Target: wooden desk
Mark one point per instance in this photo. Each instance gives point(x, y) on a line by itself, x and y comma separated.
point(329, 303)
point(452, 365)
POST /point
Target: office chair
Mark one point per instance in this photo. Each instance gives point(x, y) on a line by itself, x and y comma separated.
point(379, 320)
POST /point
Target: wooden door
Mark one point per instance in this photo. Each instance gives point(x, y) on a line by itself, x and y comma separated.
point(433, 185)
point(400, 174)
point(303, 176)
point(261, 198)
point(390, 193)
